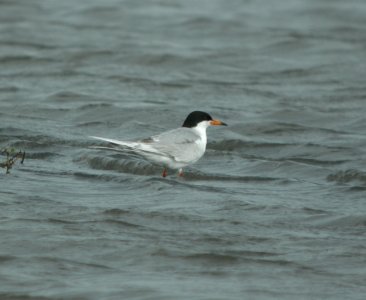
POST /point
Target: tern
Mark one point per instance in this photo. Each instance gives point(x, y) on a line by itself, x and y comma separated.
point(173, 149)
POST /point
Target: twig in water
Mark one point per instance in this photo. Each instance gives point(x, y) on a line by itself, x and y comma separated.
point(11, 157)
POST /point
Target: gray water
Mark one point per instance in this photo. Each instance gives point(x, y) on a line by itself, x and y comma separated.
point(274, 210)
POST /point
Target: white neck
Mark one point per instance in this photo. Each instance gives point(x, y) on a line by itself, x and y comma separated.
point(201, 129)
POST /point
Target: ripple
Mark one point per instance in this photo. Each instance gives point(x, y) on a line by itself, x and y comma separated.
point(212, 258)
point(94, 106)
point(68, 96)
point(25, 59)
point(7, 258)
point(90, 124)
point(236, 144)
point(120, 223)
point(344, 222)
point(316, 162)
point(9, 89)
point(219, 177)
point(347, 176)
point(124, 164)
point(21, 296)
point(131, 165)
point(116, 211)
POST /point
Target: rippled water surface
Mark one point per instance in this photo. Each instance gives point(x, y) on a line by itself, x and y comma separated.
point(274, 210)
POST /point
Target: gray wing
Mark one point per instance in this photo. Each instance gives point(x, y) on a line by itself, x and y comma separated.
point(181, 144)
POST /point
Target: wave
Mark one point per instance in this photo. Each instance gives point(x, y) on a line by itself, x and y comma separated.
point(347, 176)
point(345, 222)
point(22, 296)
point(125, 163)
point(70, 96)
point(25, 59)
point(237, 144)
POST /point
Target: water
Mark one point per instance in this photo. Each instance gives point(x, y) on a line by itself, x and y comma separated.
point(274, 210)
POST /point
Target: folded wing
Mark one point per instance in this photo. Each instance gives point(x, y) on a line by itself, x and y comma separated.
point(181, 145)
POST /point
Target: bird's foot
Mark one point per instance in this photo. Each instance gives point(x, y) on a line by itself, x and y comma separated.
point(165, 173)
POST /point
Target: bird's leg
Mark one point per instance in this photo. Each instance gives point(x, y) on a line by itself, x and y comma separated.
point(165, 173)
point(180, 172)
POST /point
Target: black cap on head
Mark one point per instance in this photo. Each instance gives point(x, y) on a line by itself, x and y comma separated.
point(195, 117)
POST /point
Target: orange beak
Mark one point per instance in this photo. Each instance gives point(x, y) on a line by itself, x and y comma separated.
point(217, 122)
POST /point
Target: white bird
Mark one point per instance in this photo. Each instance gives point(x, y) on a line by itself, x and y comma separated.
point(175, 148)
